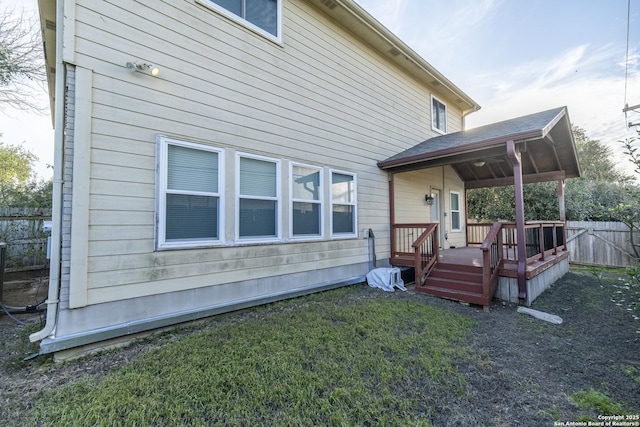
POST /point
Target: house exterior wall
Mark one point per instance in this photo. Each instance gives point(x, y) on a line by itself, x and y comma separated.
point(320, 97)
point(410, 189)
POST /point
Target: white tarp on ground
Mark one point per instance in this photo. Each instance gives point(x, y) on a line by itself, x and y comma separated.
point(385, 279)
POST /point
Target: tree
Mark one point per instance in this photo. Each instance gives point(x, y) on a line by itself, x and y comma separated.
point(19, 186)
point(632, 153)
point(628, 210)
point(601, 185)
point(22, 68)
point(497, 203)
point(595, 159)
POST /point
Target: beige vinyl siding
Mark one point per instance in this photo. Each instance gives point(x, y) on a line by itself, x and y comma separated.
point(455, 120)
point(410, 189)
point(321, 98)
point(170, 273)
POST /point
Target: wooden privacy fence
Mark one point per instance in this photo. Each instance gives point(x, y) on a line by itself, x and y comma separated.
point(601, 243)
point(22, 231)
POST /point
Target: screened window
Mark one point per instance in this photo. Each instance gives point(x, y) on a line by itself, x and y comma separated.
point(261, 14)
point(306, 201)
point(456, 221)
point(189, 200)
point(438, 115)
point(343, 204)
point(258, 198)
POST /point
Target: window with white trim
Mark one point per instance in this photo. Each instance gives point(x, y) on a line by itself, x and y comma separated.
point(306, 201)
point(262, 15)
point(456, 218)
point(190, 198)
point(258, 202)
point(343, 204)
point(438, 115)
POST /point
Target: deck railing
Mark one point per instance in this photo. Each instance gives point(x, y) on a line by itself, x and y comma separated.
point(542, 238)
point(403, 236)
point(425, 253)
point(415, 245)
point(476, 233)
point(492, 258)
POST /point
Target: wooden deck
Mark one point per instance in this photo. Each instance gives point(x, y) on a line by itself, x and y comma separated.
point(472, 256)
point(472, 273)
point(469, 256)
point(458, 273)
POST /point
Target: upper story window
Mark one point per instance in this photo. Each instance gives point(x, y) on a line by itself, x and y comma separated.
point(306, 201)
point(438, 115)
point(190, 194)
point(262, 15)
point(258, 198)
point(343, 204)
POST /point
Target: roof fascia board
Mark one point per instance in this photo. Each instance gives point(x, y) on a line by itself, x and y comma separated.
point(49, 32)
point(554, 122)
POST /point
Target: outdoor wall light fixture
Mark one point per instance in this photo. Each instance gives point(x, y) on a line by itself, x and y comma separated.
point(144, 68)
point(479, 164)
point(428, 199)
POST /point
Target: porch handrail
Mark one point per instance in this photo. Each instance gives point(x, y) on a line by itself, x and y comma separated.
point(477, 232)
point(402, 237)
point(492, 259)
point(426, 252)
point(542, 239)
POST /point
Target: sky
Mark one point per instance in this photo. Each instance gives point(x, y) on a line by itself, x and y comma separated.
point(513, 57)
point(33, 131)
point(516, 57)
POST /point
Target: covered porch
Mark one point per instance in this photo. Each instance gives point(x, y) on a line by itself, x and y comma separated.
point(517, 260)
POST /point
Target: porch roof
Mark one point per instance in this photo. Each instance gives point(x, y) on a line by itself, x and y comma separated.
point(479, 155)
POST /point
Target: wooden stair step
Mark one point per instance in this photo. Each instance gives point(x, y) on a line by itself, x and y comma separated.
point(459, 267)
point(453, 284)
point(456, 295)
point(475, 277)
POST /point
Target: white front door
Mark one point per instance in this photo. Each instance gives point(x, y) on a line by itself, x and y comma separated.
point(436, 214)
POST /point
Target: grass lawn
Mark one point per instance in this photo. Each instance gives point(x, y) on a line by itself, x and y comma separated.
point(350, 357)
point(312, 362)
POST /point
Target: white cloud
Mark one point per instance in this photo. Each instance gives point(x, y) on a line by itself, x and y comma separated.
point(575, 79)
point(456, 21)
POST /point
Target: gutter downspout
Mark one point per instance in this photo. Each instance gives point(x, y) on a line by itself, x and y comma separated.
point(58, 181)
point(514, 156)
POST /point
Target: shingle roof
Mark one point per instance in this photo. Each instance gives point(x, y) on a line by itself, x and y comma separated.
point(479, 155)
point(520, 128)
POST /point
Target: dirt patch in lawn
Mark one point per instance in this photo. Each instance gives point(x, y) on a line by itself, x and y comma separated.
point(527, 373)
